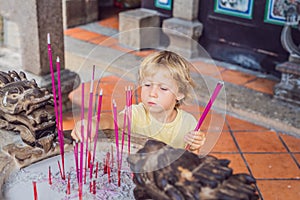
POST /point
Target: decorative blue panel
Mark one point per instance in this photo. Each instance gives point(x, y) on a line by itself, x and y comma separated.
point(164, 4)
point(238, 8)
point(274, 11)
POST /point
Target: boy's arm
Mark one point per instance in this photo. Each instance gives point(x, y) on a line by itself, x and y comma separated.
point(106, 122)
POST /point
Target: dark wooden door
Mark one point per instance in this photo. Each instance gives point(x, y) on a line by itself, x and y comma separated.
point(248, 37)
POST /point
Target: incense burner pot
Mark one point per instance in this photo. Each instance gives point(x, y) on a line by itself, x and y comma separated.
point(27, 110)
point(162, 172)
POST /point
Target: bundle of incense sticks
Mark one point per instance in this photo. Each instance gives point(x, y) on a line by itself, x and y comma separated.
point(207, 107)
point(57, 116)
point(87, 139)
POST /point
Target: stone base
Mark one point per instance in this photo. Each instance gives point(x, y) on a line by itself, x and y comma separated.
point(138, 28)
point(289, 87)
point(183, 36)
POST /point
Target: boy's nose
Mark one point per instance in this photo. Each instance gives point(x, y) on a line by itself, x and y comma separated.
point(153, 91)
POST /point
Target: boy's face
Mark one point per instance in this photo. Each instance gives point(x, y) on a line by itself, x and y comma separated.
point(160, 92)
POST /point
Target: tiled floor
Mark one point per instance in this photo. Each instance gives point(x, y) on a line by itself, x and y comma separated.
point(272, 157)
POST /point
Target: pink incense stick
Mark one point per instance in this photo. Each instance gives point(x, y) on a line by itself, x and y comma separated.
point(52, 79)
point(116, 130)
point(129, 116)
point(117, 141)
point(123, 135)
point(89, 126)
point(54, 92)
point(97, 124)
point(207, 107)
point(60, 127)
point(125, 122)
point(82, 139)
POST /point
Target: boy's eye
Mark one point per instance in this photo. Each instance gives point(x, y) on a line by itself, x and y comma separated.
point(164, 88)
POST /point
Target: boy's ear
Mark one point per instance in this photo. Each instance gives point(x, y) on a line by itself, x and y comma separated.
point(179, 97)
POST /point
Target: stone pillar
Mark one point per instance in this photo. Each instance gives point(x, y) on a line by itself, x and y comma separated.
point(33, 19)
point(36, 18)
point(79, 12)
point(184, 29)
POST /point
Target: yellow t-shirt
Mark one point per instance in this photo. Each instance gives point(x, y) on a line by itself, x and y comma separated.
point(170, 133)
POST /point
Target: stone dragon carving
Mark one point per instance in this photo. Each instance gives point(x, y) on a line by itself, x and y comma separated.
point(27, 109)
point(162, 172)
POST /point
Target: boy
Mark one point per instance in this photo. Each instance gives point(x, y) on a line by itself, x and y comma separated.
point(165, 84)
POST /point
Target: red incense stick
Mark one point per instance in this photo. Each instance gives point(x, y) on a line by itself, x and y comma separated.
point(94, 186)
point(50, 176)
point(97, 168)
point(60, 171)
point(68, 186)
point(207, 108)
point(35, 194)
point(119, 177)
point(91, 187)
point(107, 166)
point(76, 160)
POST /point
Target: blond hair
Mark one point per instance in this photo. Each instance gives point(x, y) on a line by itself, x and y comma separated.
point(178, 67)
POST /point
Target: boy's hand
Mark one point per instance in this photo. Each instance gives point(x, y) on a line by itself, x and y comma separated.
point(106, 122)
point(196, 140)
point(76, 132)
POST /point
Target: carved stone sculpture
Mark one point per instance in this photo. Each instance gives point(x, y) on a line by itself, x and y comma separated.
point(289, 87)
point(27, 109)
